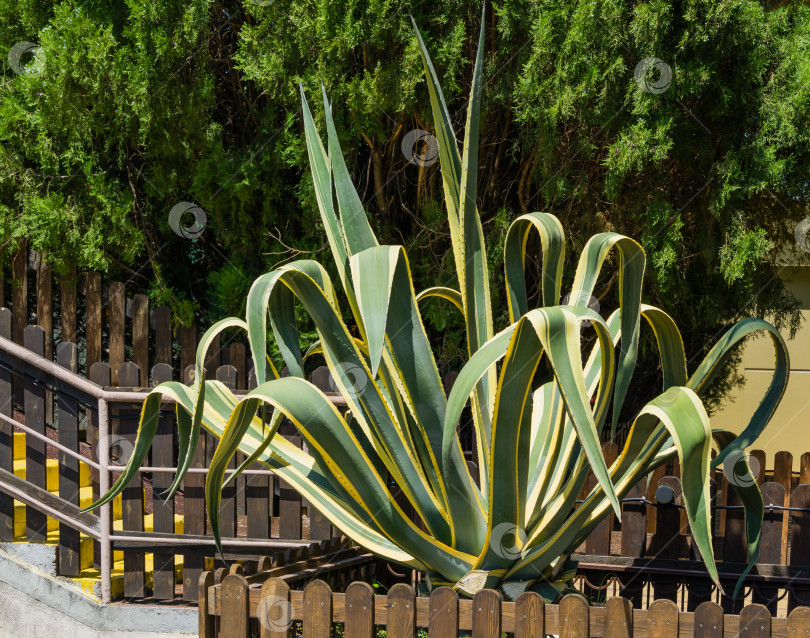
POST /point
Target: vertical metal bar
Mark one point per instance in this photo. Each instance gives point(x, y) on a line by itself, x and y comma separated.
point(104, 487)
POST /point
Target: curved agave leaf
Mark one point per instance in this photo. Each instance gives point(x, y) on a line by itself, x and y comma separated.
point(707, 369)
point(344, 459)
point(453, 296)
point(747, 489)
point(385, 292)
point(535, 444)
point(631, 272)
point(682, 414)
point(552, 241)
point(459, 180)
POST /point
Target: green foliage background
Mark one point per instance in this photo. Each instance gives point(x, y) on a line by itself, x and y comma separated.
point(143, 104)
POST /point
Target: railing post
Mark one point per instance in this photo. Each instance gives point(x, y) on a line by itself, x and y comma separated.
point(103, 488)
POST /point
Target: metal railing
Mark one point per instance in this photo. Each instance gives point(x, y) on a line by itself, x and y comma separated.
point(47, 374)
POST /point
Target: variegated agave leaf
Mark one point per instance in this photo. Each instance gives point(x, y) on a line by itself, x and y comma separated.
point(515, 526)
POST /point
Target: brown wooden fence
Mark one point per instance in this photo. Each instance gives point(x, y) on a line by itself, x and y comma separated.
point(235, 609)
point(256, 506)
point(107, 322)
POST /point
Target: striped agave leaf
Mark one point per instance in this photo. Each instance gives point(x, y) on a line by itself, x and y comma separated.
point(537, 439)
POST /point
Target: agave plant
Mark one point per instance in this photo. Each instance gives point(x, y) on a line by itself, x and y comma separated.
point(537, 440)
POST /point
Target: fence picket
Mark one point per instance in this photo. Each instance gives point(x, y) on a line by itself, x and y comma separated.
point(770, 547)
point(598, 542)
point(235, 605)
point(238, 360)
point(358, 611)
point(800, 543)
point(140, 334)
point(188, 345)
point(574, 617)
point(162, 326)
point(401, 612)
point(163, 511)
point(19, 305)
point(258, 491)
point(530, 616)
point(275, 611)
point(92, 296)
point(19, 292)
point(36, 523)
point(227, 375)
point(194, 508)
point(132, 496)
point(708, 621)
point(207, 627)
point(759, 456)
point(317, 610)
point(6, 434)
point(67, 306)
point(798, 622)
point(755, 622)
point(662, 619)
point(289, 504)
point(618, 618)
point(443, 616)
point(67, 355)
point(117, 327)
point(100, 374)
point(486, 615)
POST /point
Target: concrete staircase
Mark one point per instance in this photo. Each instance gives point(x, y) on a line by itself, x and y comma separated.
point(44, 556)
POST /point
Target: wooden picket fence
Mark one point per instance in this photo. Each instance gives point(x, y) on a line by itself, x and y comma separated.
point(104, 321)
point(235, 609)
point(255, 506)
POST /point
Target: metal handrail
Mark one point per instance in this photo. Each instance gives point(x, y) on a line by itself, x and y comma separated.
point(61, 381)
point(42, 437)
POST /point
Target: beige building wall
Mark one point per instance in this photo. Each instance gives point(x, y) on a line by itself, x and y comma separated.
point(789, 429)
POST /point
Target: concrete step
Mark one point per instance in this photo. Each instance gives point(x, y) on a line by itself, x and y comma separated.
point(44, 556)
point(89, 581)
point(60, 609)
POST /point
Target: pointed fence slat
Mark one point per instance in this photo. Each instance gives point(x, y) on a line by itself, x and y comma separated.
point(6, 434)
point(140, 334)
point(132, 505)
point(258, 492)
point(93, 317)
point(163, 510)
point(194, 509)
point(36, 523)
point(67, 356)
point(67, 306)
